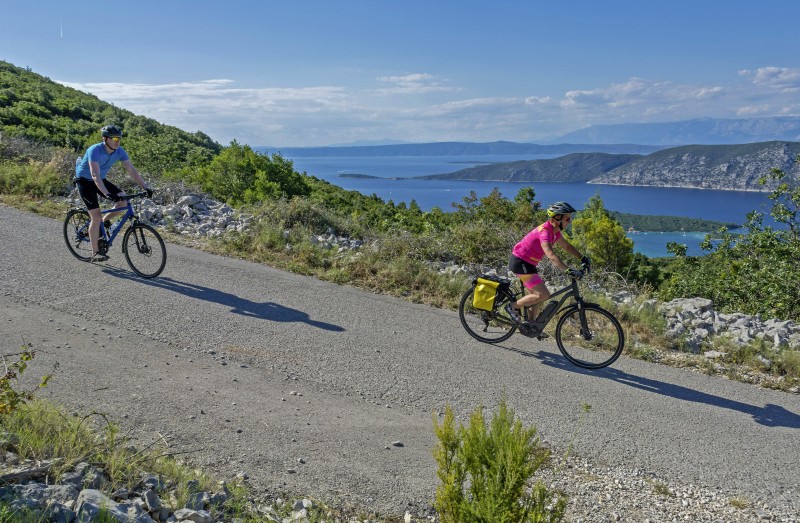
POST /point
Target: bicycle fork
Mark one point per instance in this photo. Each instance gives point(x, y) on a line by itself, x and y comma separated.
point(585, 331)
point(141, 242)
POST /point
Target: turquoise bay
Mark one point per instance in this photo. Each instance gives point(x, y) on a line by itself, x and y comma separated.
point(394, 180)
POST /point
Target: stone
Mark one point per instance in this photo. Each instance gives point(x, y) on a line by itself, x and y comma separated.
point(188, 200)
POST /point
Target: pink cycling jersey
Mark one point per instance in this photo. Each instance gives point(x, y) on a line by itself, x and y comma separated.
point(530, 249)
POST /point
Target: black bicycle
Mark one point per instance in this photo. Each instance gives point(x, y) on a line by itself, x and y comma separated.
point(587, 335)
point(142, 246)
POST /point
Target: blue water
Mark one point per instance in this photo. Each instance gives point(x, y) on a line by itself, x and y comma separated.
point(725, 206)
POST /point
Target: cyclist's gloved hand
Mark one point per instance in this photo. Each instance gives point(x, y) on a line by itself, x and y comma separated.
point(114, 197)
point(586, 262)
point(149, 192)
point(573, 273)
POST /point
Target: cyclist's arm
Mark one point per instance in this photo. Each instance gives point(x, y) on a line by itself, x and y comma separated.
point(134, 174)
point(552, 256)
point(564, 243)
point(94, 169)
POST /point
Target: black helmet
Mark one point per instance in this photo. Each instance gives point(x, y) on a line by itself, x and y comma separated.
point(560, 208)
point(111, 130)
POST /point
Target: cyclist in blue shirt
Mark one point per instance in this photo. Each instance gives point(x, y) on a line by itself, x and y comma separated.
point(90, 176)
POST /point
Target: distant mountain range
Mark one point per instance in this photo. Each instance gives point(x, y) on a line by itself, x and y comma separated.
point(457, 149)
point(706, 131)
point(614, 139)
point(734, 167)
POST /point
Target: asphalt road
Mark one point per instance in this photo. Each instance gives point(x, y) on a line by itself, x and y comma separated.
point(247, 368)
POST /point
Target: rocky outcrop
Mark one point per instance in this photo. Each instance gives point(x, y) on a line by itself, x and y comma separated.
point(194, 215)
point(696, 321)
point(82, 494)
point(733, 167)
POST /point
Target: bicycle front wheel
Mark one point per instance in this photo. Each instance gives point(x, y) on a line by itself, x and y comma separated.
point(76, 234)
point(590, 337)
point(486, 326)
point(144, 250)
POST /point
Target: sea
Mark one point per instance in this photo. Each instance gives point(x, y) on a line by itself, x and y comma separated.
point(393, 178)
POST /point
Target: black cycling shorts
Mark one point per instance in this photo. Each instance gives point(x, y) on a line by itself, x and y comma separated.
point(520, 266)
point(89, 191)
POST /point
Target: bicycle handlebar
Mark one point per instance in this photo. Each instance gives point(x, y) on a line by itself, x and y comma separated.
point(580, 273)
point(129, 197)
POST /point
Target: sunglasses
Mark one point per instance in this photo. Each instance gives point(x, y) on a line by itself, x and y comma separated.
point(114, 138)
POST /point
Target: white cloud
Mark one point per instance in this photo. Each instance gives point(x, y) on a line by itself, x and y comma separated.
point(226, 112)
point(320, 115)
point(417, 83)
point(782, 78)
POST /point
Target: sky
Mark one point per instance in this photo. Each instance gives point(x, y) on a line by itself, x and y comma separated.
point(324, 72)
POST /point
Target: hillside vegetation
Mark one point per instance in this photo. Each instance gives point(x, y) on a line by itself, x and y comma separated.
point(43, 125)
point(40, 110)
point(575, 167)
point(657, 223)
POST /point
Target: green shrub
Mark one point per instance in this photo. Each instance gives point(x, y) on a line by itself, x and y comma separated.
point(485, 471)
point(788, 363)
point(30, 179)
point(483, 242)
point(10, 398)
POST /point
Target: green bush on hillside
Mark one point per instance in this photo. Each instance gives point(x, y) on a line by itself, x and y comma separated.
point(239, 175)
point(601, 237)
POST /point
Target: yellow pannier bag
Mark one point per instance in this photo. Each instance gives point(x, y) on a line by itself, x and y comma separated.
point(485, 292)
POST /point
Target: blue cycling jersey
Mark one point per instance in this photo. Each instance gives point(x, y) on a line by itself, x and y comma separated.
point(97, 153)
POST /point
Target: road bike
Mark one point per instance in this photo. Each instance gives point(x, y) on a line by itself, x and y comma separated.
point(587, 335)
point(142, 246)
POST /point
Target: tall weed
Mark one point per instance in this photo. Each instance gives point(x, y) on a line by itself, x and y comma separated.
point(485, 471)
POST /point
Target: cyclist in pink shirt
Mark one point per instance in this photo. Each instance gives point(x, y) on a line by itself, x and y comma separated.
point(527, 254)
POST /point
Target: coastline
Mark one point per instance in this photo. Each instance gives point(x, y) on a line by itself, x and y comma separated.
point(667, 186)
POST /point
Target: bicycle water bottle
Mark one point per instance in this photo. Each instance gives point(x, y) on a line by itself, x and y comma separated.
point(547, 311)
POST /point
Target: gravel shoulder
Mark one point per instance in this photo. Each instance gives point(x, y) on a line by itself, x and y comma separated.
point(250, 369)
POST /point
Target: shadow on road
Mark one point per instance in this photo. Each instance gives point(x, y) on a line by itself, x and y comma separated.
point(264, 311)
point(769, 415)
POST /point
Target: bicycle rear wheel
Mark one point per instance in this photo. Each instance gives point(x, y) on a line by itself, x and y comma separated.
point(486, 326)
point(144, 250)
point(76, 234)
point(590, 337)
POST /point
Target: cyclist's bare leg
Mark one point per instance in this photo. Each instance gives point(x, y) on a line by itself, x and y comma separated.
point(119, 205)
point(533, 297)
point(94, 227)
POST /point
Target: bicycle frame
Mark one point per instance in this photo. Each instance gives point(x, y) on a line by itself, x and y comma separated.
point(569, 291)
point(113, 231)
